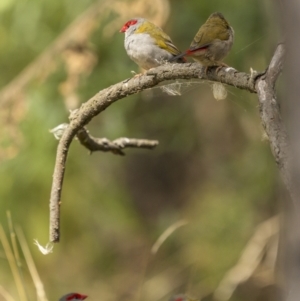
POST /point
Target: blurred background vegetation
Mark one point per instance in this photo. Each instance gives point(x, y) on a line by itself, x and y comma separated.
point(212, 168)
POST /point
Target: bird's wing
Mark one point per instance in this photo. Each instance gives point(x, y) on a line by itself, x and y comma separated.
point(160, 37)
point(207, 34)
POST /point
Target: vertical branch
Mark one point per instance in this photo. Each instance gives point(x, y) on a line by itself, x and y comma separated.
point(290, 241)
point(57, 182)
point(271, 117)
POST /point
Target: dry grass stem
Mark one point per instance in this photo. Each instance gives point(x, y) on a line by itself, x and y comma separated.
point(251, 258)
point(13, 265)
point(6, 294)
point(164, 236)
point(41, 295)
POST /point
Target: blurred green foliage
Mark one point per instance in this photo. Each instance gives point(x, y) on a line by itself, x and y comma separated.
point(212, 167)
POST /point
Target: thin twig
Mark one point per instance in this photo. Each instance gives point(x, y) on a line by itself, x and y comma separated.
point(106, 97)
point(102, 144)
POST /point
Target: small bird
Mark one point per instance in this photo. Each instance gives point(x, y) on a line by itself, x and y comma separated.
point(212, 42)
point(72, 297)
point(147, 44)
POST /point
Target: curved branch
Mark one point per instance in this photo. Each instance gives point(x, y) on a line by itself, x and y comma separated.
point(106, 97)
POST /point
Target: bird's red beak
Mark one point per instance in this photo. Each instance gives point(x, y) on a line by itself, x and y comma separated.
point(124, 28)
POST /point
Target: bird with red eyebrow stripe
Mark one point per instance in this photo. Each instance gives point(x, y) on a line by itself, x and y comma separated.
point(147, 44)
point(72, 297)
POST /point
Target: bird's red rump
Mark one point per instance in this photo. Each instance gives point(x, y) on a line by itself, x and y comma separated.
point(193, 51)
point(128, 24)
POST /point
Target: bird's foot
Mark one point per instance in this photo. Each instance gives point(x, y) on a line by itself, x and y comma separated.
point(220, 66)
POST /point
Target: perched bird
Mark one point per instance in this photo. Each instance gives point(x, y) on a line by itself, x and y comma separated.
point(212, 42)
point(147, 44)
point(72, 297)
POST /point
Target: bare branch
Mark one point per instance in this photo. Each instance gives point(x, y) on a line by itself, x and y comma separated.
point(116, 146)
point(103, 99)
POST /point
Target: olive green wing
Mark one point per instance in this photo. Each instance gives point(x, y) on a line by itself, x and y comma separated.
point(207, 34)
point(160, 37)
